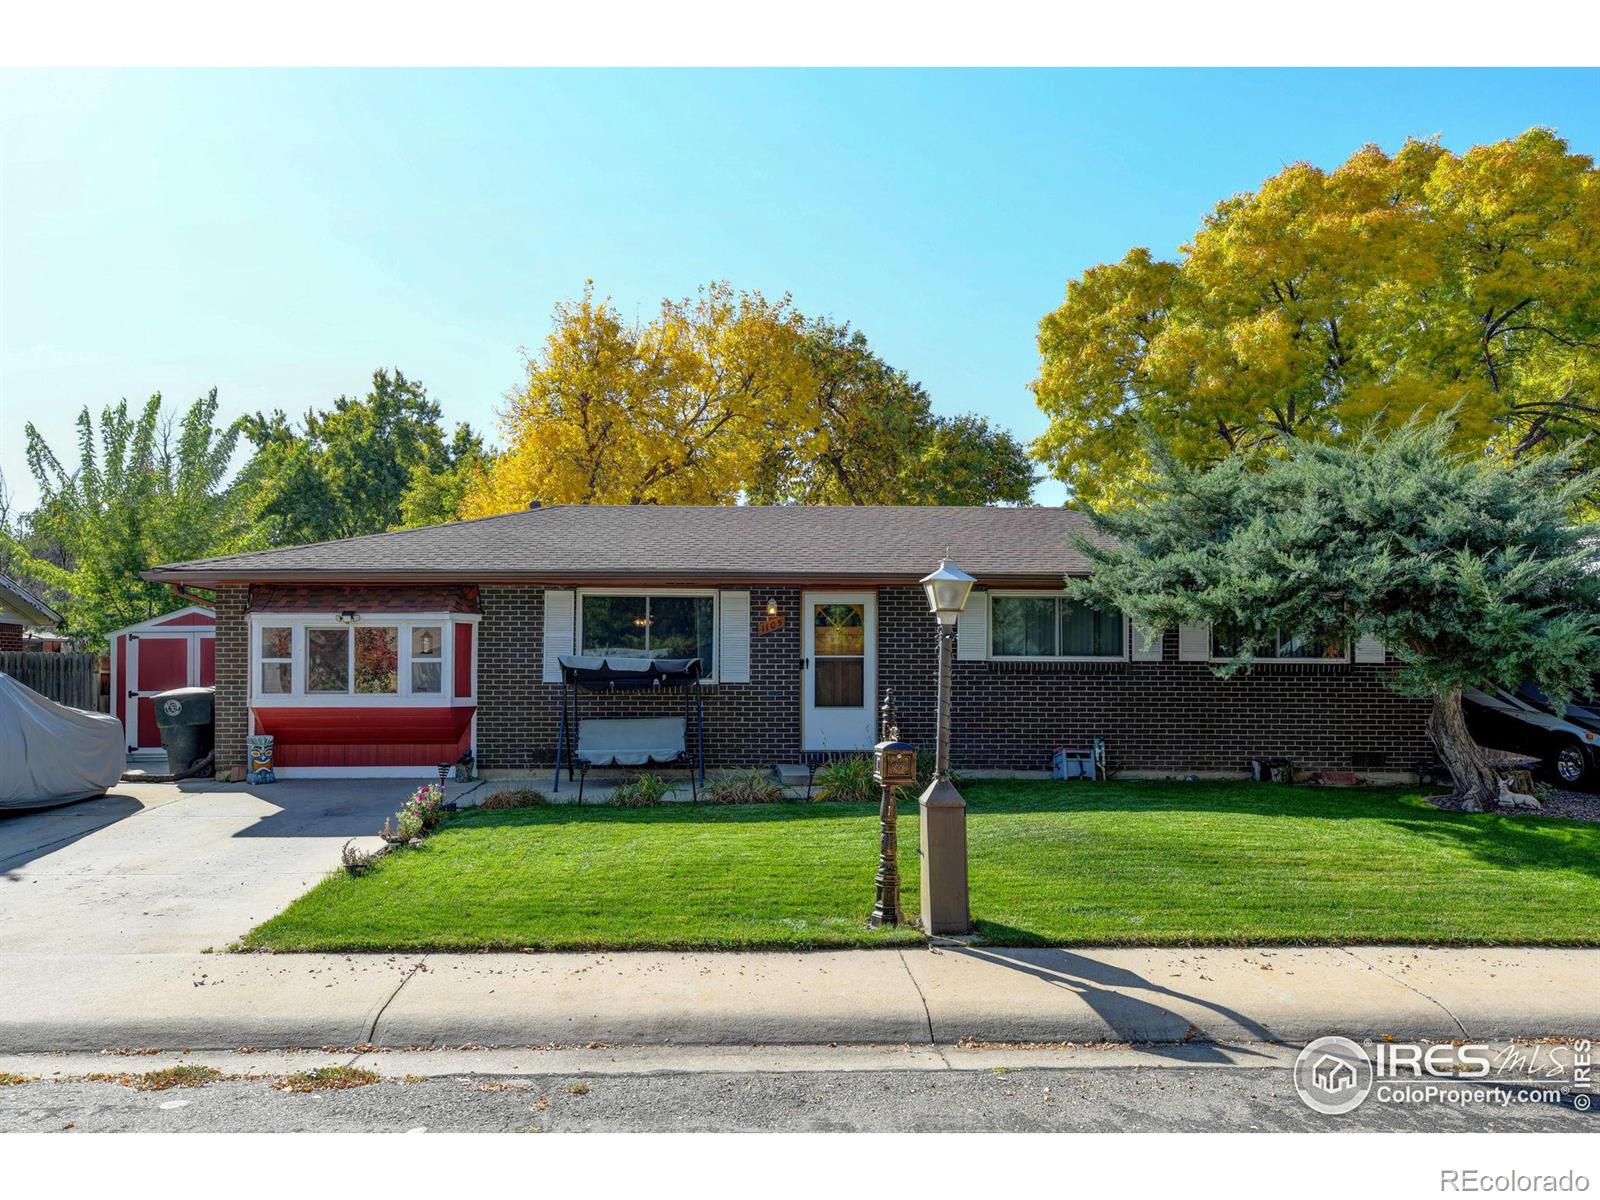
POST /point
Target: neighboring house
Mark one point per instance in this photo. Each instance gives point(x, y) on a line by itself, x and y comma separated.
point(20, 610)
point(390, 653)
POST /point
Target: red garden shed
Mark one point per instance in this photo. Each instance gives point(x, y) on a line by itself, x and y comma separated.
point(176, 649)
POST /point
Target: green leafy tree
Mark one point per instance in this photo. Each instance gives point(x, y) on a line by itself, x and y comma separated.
point(434, 497)
point(348, 470)
point(872, 437)
point(1469, 567)
point(145, 491)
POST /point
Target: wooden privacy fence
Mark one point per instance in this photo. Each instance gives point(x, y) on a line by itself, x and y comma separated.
point(70, 679)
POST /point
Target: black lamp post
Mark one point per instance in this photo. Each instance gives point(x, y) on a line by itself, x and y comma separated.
point(944, 811)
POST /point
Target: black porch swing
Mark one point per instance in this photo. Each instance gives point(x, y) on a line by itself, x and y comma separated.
point(629, 741)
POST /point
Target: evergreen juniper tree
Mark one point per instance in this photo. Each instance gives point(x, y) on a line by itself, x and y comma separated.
point(1473, 571)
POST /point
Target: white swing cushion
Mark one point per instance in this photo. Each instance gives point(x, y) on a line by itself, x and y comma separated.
point(630, 742)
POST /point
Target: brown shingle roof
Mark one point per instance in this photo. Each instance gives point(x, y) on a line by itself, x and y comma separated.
point(598, 542)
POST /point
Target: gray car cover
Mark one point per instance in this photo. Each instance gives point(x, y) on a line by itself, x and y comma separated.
point(51, 754)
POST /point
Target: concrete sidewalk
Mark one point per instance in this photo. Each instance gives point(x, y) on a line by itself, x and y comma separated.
point(935, 996)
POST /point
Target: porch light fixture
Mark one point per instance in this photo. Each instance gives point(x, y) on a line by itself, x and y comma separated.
point(349, 617)
point(947, 590)
point(772, 606)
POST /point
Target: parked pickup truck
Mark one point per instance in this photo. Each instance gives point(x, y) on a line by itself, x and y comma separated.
point(1525, 722)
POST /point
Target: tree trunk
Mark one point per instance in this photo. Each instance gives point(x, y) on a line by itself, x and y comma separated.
point(1475, 780)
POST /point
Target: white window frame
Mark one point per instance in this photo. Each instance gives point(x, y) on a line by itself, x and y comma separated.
point(1301, 660)
point(1036, 594)
point(646, 593)
point(408, 657)
point(258, 660)
point(403, 697)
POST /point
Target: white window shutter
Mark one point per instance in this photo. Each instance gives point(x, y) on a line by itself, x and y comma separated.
point(559, 627)
point(972, 628)
point(1369, 650)
point(733, 638)
point(1146, 644)
point(1194, 643)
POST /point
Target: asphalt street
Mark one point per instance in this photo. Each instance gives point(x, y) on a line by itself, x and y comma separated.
point(1120, 1099)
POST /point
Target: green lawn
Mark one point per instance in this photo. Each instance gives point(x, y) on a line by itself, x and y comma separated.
point(1070, 863)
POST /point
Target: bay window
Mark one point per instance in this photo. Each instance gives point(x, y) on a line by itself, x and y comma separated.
point(1048, 625)
point(648, 625)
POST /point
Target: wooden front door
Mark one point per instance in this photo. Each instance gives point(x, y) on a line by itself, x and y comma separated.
point(839, 671)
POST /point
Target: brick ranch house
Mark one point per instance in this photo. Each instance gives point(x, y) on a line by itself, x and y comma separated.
point(387, 654)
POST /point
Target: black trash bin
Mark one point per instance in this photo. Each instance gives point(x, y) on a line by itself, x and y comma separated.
point(184, 717)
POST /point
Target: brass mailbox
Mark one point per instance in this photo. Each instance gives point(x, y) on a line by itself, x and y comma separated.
point(894, 764)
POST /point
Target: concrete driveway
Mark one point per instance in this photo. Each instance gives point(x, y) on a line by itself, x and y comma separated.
point(155, 868)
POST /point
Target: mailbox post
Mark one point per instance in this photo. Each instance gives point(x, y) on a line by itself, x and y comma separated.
point(894, 766)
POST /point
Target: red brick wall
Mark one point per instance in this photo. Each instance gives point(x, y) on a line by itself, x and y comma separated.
point(11, 637)
point(232, 705)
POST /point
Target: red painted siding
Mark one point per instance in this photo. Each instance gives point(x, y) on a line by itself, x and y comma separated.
point(463, 661)
point(208, 661)
point(366, 736)
point(206, 619)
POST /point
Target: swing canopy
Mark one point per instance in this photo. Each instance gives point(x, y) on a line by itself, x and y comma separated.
point(628, 674)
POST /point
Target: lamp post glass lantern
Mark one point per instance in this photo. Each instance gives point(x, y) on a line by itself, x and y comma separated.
point(947, 590)
point(944, 811)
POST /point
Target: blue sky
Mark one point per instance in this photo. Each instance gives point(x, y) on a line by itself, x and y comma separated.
point(279, 234)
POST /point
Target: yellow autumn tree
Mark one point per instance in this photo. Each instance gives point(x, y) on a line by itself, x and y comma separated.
point(726, 397)
point(1327, 301)
point(675, 410)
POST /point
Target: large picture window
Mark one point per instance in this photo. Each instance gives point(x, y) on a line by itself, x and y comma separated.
point(649, 626)
point(1281, 647)
point(1046, 626)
